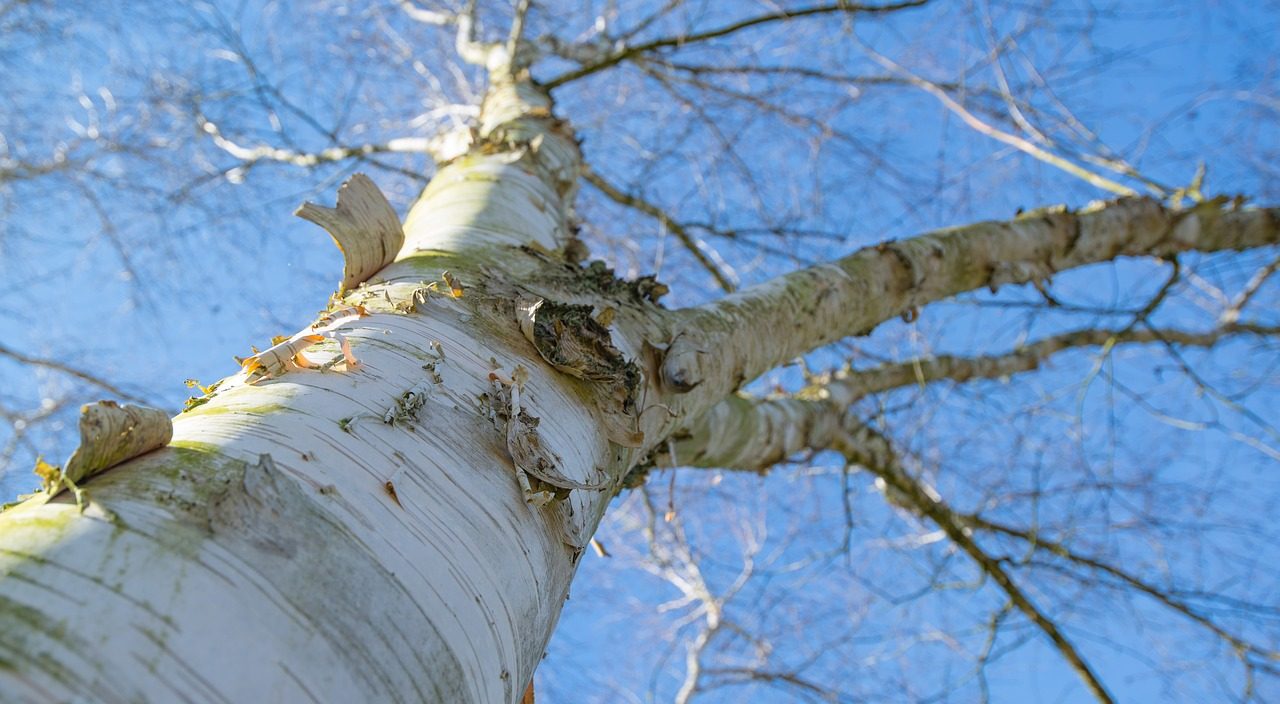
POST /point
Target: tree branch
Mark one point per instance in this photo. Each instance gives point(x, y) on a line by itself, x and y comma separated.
point(846, 386)
point(875, 453)
point(1165, 597)
point(625, 52)
point(252, 155)
point(790, 425)
point(749, 434)
point(468, 47)
point(753, 434)
point(759, 328)
point(690, 242)
point(1023, 145)
point(70, 371)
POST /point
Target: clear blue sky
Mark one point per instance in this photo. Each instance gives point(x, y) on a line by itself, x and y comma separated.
point(215, 263)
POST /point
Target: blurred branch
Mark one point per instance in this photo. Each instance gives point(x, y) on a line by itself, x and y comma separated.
point(997, 134)
point(469, 48)
point(253, 155)
point(672, 559)
point(71, 371)
point(1260, 277)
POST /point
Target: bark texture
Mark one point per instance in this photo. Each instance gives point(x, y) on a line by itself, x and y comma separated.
point(359, 528)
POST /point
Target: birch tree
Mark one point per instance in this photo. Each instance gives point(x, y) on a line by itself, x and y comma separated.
point(391, 501)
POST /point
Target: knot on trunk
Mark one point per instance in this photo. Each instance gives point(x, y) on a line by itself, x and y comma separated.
point(577, 343)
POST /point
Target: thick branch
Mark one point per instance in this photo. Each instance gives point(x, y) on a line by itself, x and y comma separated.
point(729, 342)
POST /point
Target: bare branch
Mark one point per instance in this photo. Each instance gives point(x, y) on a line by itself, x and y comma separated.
point(846, 386)
point(1164, 596)
point(1232, 313)
point(624, 52)
point(817, 305)
point(71, 371)
point(997, 134)
point(427, 16)
point(468, 47)
point(690, 242)
point(437, 148)
point(751, 434)
point(875, 453)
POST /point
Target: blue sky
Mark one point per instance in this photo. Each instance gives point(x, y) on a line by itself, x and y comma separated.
point(217, 263)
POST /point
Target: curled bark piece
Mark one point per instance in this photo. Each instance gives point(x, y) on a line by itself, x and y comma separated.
point(288, 352)
point(109, 435)
point(364, 225)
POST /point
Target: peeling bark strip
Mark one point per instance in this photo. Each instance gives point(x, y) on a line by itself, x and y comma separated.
point(729, 342)
point(109, 434)
point(364, 225)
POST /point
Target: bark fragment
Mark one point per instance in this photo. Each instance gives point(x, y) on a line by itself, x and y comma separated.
point(365, 227)
point(109, 435)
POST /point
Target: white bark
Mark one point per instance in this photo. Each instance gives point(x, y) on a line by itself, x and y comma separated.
point(269, 554)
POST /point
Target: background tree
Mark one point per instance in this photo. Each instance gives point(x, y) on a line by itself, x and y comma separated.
point(1066, 477)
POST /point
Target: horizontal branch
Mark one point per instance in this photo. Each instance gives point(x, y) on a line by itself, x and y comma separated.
point(252, 155)
point(724, 344)
point(846, 386)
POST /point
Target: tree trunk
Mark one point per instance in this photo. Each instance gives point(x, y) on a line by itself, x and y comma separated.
point(350, 534)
